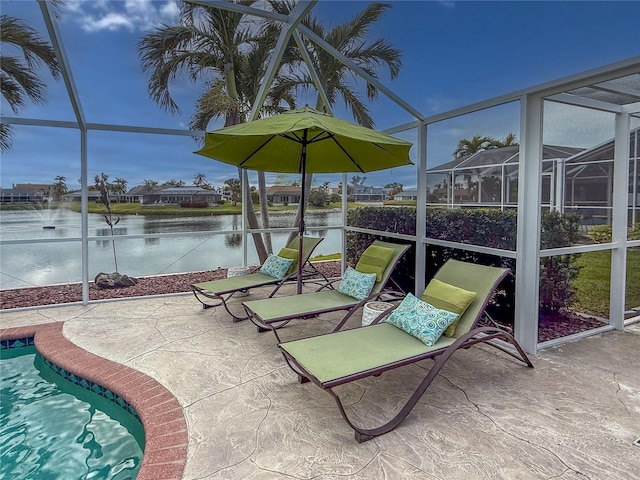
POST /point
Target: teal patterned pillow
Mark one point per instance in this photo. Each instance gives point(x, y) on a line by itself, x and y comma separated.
point(276, 266)
point(356, 284)
point(421, 319)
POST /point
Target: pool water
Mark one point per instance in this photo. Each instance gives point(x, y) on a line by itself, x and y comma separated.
point(51, 429)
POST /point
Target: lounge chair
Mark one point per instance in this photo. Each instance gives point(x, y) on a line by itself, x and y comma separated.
point(221, 290)
point(341, 357)
point(272, 313)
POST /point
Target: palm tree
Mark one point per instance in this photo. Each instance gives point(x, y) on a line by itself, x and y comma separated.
point(19, 76)
point(149, 185)
point(476, 144)
point(352, 40)
point(510, 140)
point(199, 179)
point(120, 188)
point(209, 42)
point(59, 187)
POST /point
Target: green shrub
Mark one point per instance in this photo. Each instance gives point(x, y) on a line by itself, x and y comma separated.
point(318, 198)
point(487, 227)
point(604, 233)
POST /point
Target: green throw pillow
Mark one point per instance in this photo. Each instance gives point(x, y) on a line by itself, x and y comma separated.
point(448, 297)
point(375, 260)
point(420, 319)
point(291, 253)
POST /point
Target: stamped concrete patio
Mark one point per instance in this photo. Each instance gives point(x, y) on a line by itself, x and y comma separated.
point(575, 416)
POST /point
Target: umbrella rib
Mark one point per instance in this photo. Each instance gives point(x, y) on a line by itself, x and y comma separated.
point(291, 137)
point(241, 164)
point(319, 137)
point(332, 137)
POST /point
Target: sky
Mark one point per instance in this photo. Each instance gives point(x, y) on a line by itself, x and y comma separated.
point(454, 53)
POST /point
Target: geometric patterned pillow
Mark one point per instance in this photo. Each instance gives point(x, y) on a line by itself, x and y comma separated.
point(420, 319)
point(356, 284)
point(276, 266)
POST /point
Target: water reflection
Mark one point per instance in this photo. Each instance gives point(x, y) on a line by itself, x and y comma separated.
point(233, 240)
point(106, 232)
point(27, 264)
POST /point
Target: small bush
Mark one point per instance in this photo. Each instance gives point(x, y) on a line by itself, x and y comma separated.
point(190, 204)
point(318, 198)
point(601, 233)
point(604, 233)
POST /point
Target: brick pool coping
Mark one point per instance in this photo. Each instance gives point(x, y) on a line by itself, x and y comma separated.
point(166, 439)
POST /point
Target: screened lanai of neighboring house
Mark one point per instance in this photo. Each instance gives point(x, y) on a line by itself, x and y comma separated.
point(488, 177)
point(526, 178)
point(573, 180)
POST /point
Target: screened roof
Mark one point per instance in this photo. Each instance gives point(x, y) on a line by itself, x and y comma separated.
point(500, 156)
point(604, 151)
point(622, 91)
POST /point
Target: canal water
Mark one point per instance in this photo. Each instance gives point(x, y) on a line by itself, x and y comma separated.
point(190, 244)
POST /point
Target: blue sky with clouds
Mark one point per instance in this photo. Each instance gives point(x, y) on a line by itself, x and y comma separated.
point(453, 54)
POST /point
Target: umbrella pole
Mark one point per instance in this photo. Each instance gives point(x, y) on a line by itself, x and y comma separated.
point(303, 161)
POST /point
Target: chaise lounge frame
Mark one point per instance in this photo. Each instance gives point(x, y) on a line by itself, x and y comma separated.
point(222, 290)
point(305, 357)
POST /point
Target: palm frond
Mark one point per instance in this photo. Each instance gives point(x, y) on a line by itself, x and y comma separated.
point(35, 50)
point(19, 80)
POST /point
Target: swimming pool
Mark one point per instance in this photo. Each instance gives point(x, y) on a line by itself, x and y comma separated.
point(53, 429)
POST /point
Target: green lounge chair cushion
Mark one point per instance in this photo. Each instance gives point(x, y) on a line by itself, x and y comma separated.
point(271, 310)
point(421, 319)
point(448, 297)
point(356, 284)
point(338, 355)
point(375, 260)
point(276, 266)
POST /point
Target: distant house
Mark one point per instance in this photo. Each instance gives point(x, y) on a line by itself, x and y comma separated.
point(22, 193)
point(135, 195)
point(34, 187)
point(407, 195)
point(363, 193)
point(283, 194)
point(76, 196)
point(178, 195)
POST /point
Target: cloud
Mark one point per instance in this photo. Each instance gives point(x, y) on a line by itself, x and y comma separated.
point(131, 15)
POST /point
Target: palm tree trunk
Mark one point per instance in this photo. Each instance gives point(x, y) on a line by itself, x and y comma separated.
point(264, 210)
point(233, 118)
point(252, 219)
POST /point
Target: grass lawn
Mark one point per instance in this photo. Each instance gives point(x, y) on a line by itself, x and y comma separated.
point(175, 210)
point(593, 283)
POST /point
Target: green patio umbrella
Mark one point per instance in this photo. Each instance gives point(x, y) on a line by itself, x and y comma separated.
point(305, 141)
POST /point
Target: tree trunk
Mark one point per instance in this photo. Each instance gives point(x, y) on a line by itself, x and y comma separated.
point(252, 219)
point(233, 118)
point(264, 210)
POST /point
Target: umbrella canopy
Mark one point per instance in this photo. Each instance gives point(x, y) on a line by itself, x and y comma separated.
point(305, 141)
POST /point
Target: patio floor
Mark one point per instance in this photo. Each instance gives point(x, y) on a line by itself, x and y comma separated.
point(575, 416)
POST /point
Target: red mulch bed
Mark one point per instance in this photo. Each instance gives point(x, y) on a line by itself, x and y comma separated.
point(146, 286)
